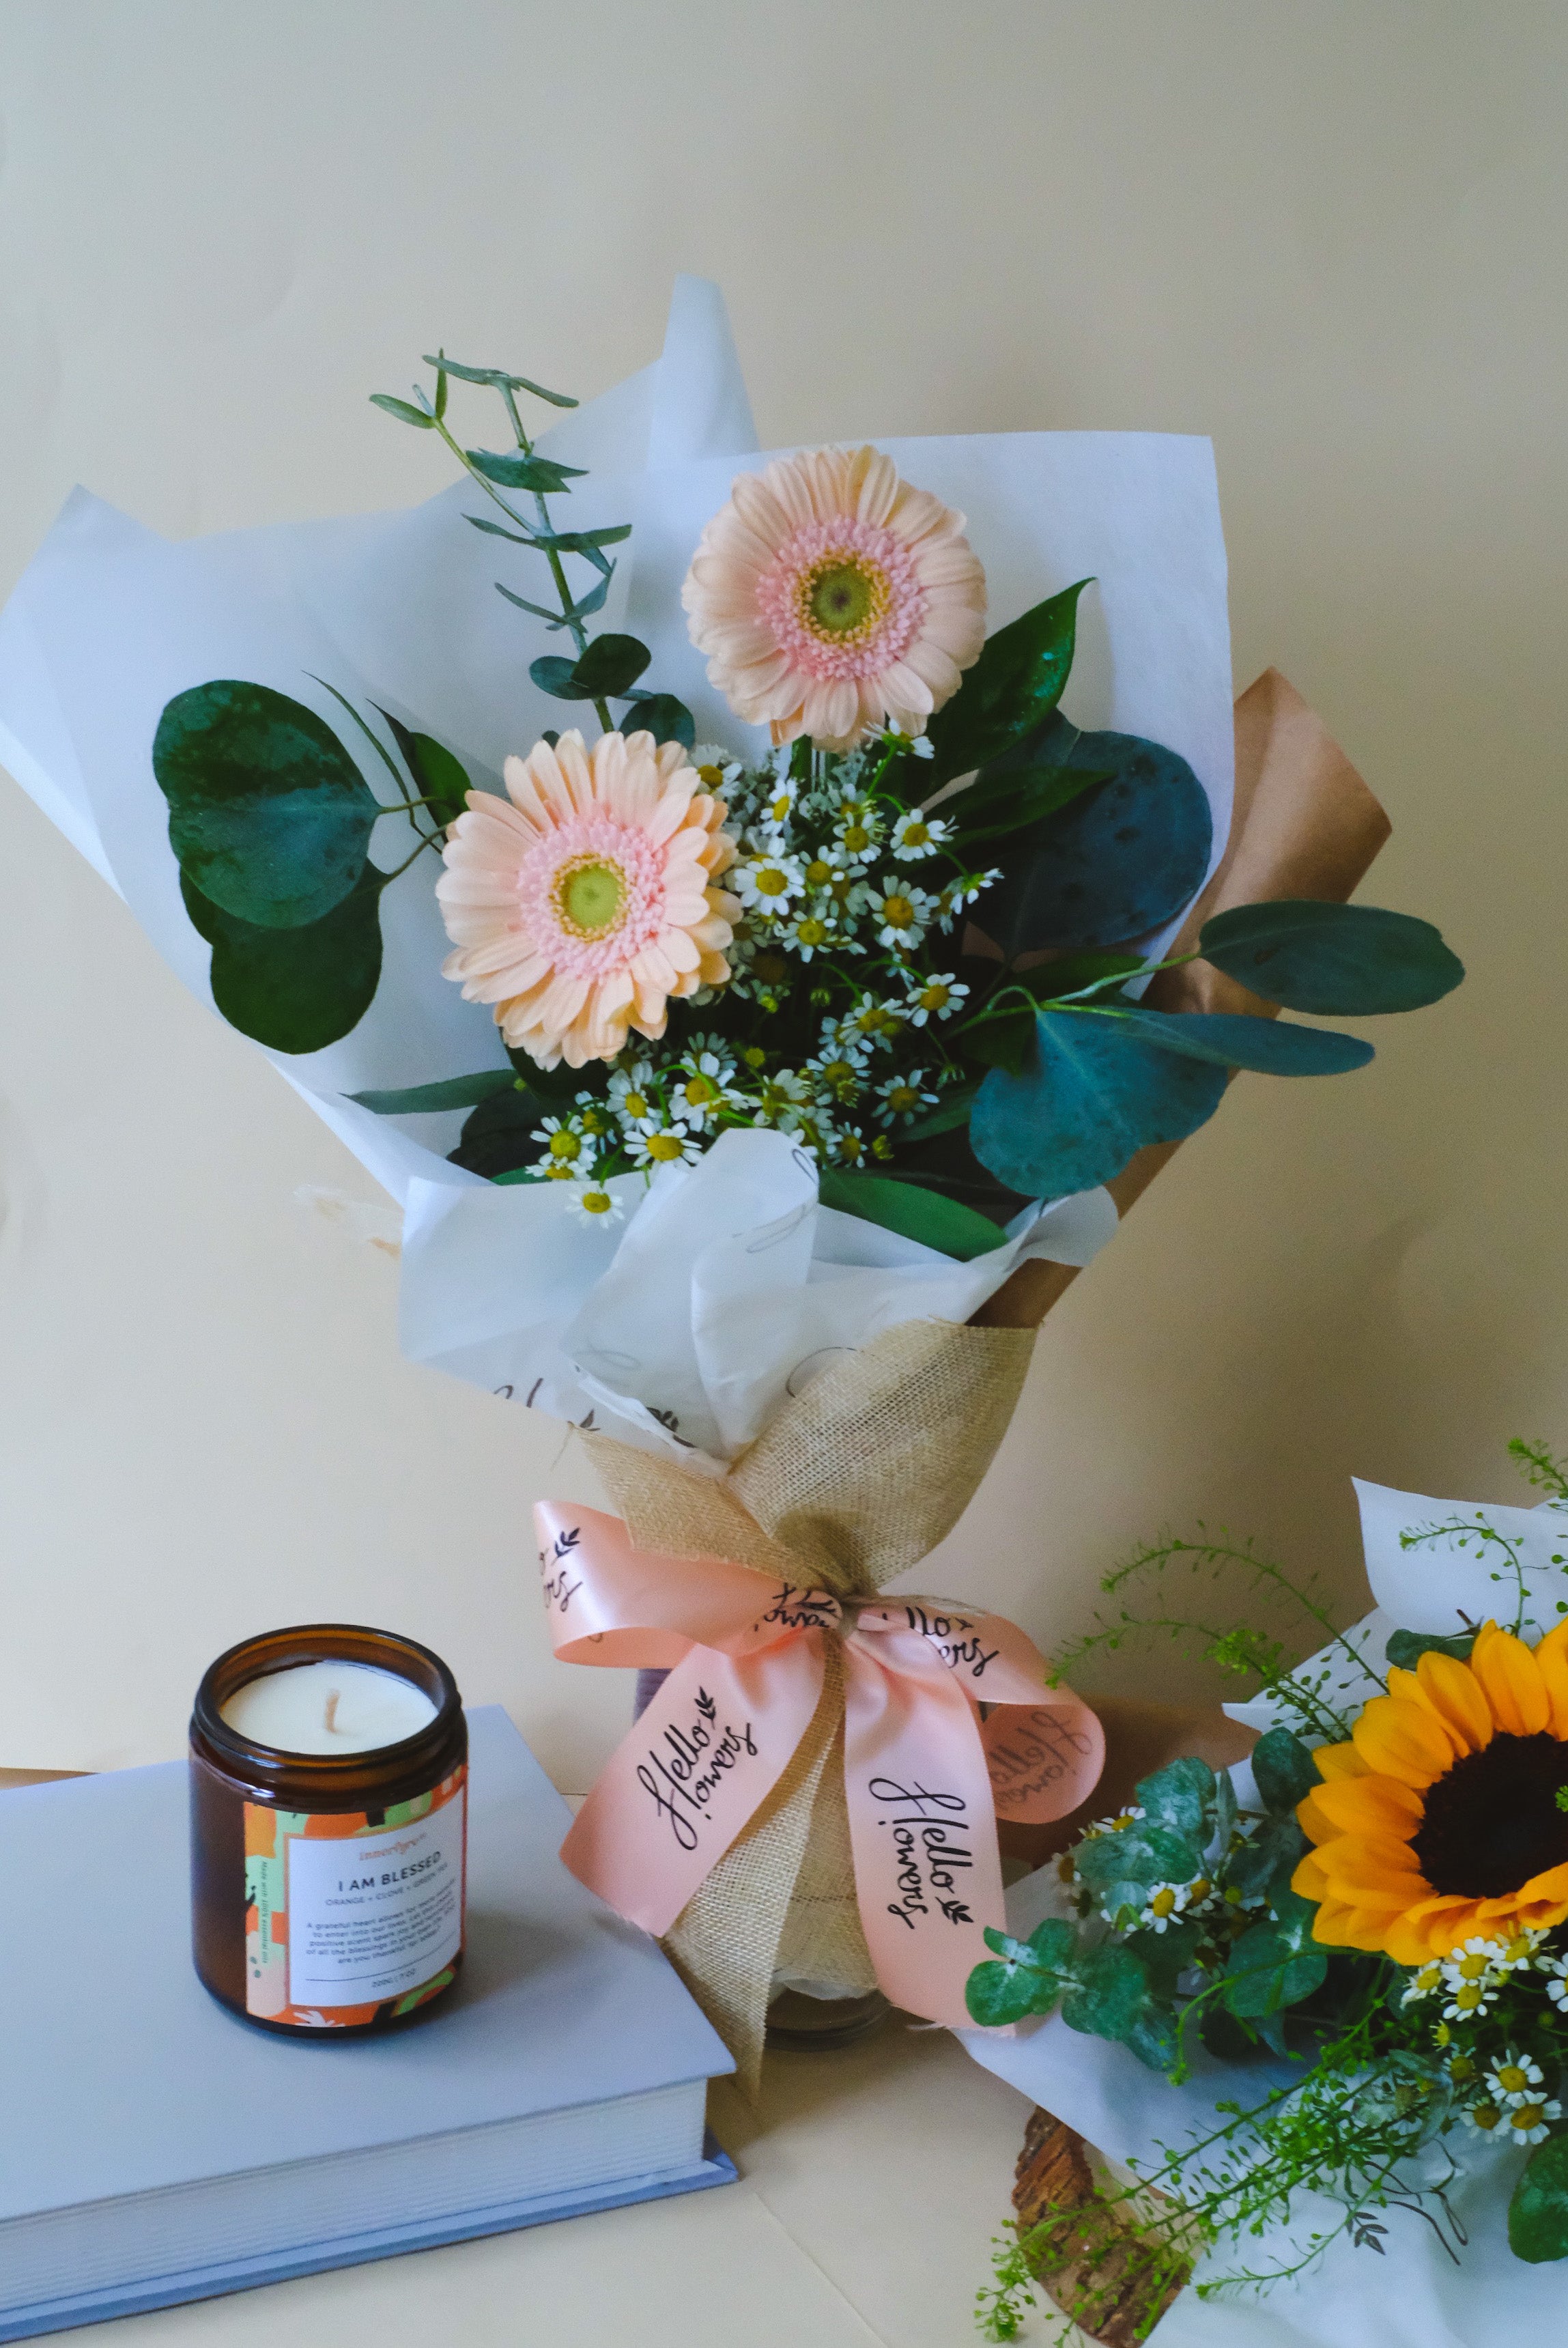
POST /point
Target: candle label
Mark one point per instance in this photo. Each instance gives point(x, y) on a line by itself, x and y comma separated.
point(353, 1916)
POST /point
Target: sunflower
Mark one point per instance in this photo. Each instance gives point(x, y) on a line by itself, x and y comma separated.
point(1440, 1819)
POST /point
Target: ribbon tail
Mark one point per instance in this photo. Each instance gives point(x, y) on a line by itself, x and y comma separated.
point(928, 1871)
point(679, 1790)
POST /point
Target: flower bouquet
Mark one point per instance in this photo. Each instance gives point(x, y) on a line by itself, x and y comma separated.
point(748, 977)
point(1348, 1957)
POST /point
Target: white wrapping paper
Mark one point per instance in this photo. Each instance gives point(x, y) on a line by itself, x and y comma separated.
point(723, 1283)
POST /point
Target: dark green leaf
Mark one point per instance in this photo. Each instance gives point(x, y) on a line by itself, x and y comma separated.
point(498, 380)
point(1067, 973)
point(1116, 863)
point(997, 1994)
point(911, 1210)
point(994, 806)
point(402, 410)
point(1268, 1971)
point(1096, 1093)
point(1406, 1648)
point(1538, 2213)
point(556, 620)
point(1271, 1851)
point(1140, 1854)
point(1285, 1771)
point(437, 775)
point(1341, 960)
point(294, 990)
point(611, 664)
point(499, 1138)
point(1112, 1994)
point(441, 386)
point(587, 604)
point(1152, 2036)
point(1181, 1797)
point(268, 814)
point(550, 672)
point(1165, 1956)
point(450, 1092)
point(952, 1112)
point(1227, 2037)
point(1275, 1047)
point(661, 715)
point(1016, 683)
point(513, 471)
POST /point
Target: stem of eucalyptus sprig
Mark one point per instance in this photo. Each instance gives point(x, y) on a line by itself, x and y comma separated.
point(575, 628)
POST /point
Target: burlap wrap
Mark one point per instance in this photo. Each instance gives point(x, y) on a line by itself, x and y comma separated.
point(853, 1482)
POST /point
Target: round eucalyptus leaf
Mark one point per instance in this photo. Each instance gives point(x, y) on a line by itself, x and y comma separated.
point(1233, 1039)
point(1097, 1094)
point(1117, 861)
point(270, 817)
point(294, 990)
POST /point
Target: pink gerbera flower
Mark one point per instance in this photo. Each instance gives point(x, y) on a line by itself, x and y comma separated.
point(580, 902)
point(831, 597)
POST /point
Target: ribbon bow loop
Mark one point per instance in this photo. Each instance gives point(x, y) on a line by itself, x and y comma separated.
point(745, 1651)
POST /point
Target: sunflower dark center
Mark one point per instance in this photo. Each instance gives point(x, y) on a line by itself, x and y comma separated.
point(1491, 1822)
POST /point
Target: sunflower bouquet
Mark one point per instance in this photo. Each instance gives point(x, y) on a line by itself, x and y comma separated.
point(1363, 1930)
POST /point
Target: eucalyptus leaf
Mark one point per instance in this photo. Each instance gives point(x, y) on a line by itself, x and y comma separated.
point(550, 672)
point(499, 1138)
point(1096, 1092)
point(1284, 1770)
point(448, 1092)
point(1016, 682)
point(997, 1994)
point(661, 715)
point(1274, 1048)
point(293, 990)
point(1340, 961)
point(497, 530)
point(1119, 861)
point(1181, 1797)
point(555, 620)
point(514, 470)
point(1152, 2035)
point(498, 380)
point(611, 664)
point(269, 816)
point(1112, 1994)
point(1538, 2212)
point(404, 412)
point(439, 774)
point(1406, 1648)
point(1269, 1970)
point(912, 1210)
point(1142, 1854)
point(996, 807)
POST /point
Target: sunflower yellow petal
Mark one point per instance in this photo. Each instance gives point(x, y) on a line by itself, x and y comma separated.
point(1402, 1740)
point(1459, 1699)
point(1375, 1805)
point(1338, 1761)
point(1512, 1682)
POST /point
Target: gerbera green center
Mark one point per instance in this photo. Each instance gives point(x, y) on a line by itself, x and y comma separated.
point(844, 598)
point(1491, 1822)
point(590, 895)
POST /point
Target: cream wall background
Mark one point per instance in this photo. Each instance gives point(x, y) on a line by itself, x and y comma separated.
point(1328, 233)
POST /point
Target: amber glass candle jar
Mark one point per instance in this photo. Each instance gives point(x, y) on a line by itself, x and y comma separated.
point(328, 1828)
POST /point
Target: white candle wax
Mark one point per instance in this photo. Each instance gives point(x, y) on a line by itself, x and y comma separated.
point(329, 1707)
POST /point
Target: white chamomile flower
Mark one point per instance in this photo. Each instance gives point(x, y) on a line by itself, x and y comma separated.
point(1484, 2118)
point(1518, 1951)
point(1422, 1984)
point(704, 1083)
point(1556, 1972)
point(767, 882)
point(782, 1100)
point(918, 746)
point(808, 934)
point(936, 997)
point(779, 802)
point(875, 1023)
point(1514, 2080)
point(1117, 1824)
point(839, 1069)
point(916, 835)
point(593, 1204)
point(849, 1145)
point(665, 1145)
point(857, 834)
point(902, 913)
point(959, 894)
point(901, 1098)
point(717, 767)
point(566, 1146)
point(1163, 1907)
point(632, 1097)
point(1526, 2123)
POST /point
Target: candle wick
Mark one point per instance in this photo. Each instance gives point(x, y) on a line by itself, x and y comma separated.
point(334, 1700)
